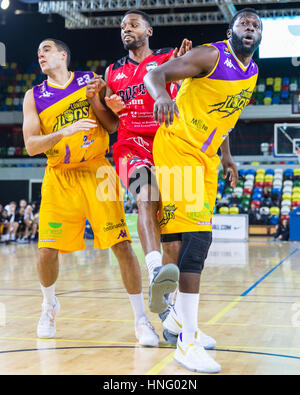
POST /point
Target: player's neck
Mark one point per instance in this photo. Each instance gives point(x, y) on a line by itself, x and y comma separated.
point(139, 54)
point(244, 59)
point(59, 77)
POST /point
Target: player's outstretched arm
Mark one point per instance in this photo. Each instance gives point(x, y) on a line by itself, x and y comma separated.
point(95, 92)
point(197, 62)
point(36, 143)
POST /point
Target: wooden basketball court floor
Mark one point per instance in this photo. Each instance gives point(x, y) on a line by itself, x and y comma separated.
point(250, 303)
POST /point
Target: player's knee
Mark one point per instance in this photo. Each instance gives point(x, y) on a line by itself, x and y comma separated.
point(122, 249)
point(142, 185)
point(171, 251)
point(194, 250)
point(47, 255)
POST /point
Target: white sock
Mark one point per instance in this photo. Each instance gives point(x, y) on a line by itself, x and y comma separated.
point(189, 315)
point(48, 294)
point(5, 237)
point(153, 260)
point(137, 303)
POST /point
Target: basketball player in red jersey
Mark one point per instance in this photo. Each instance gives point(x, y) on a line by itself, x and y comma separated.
point(126, 95)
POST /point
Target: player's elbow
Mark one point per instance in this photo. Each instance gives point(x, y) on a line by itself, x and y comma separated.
point(30, 148)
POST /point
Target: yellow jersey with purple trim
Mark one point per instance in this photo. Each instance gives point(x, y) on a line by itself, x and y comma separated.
point(60, 106)
point(210, 106)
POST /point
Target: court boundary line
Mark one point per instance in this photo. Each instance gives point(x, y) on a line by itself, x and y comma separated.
point(245, 293)
point(158, 367)
point(149, 348)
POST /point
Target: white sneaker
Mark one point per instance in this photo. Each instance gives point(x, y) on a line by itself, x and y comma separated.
point(173, 325)
point(145, 333)
point(46, 327)
point(194, 357)
point(172, 322)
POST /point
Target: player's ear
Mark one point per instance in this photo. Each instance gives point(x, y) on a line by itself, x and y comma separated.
point(64, 56)
point(229, 33)
point(150, 31)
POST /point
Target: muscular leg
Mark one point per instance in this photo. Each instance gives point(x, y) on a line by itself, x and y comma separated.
point(143, 186)
point(163, 280)
point(129, 266)
point(190, 254)
point(131, 275)
point(48, 266)
point(171, 250)
point(148, 226)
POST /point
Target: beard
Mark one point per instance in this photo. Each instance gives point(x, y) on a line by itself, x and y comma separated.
point(239, 47)
point(132, 45)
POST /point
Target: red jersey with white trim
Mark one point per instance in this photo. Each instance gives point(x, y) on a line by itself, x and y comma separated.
point(126, 79)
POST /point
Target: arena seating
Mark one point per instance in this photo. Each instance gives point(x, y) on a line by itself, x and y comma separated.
point(15, 81)
point(275, 90)
point(274, 192)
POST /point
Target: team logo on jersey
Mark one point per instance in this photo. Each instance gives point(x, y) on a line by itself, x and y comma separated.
point(151, 66)
point(120, 76)
point(226, 51)
point(76, 111)
point(229, 64)
point(111, 226)
point(233, 103)
point(169, 213)
point(132, 91)
point(44, 92)
point(122, 234)
point(87, 140)
point(201, 216)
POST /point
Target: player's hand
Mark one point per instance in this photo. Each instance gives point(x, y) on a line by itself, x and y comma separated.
point(228, 164)
point(94, 86)
point(115, 103)
point(164, 110)
point(79, 126)
point(186, 45)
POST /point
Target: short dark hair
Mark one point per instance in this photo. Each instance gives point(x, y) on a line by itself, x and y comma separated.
point(241, 12)
point(61, 46)
point(145, 16)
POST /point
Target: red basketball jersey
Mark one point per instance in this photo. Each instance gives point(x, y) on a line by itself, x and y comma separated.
point(126, 79)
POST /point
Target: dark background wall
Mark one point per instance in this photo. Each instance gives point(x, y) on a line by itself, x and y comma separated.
point(22, 34)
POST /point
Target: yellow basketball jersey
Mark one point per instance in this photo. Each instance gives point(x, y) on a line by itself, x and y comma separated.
point(209, 107)
point(59, 107)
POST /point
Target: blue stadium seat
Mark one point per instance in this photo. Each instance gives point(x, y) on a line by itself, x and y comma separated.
point(284, 94)
point(268, 93)
point(276, 100)
point(269, 171)
point(251, 171)
point(274, 220)
point(285, 80)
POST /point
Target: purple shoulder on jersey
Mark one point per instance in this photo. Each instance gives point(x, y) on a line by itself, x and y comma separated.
point(46, 95)
point(228, 68)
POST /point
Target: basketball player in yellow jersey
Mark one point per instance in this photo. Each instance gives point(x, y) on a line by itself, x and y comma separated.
point(219, 79)
point(59, 121)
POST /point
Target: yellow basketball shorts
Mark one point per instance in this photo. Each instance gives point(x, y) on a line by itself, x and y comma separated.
point(187, 180)
point(73, 193)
